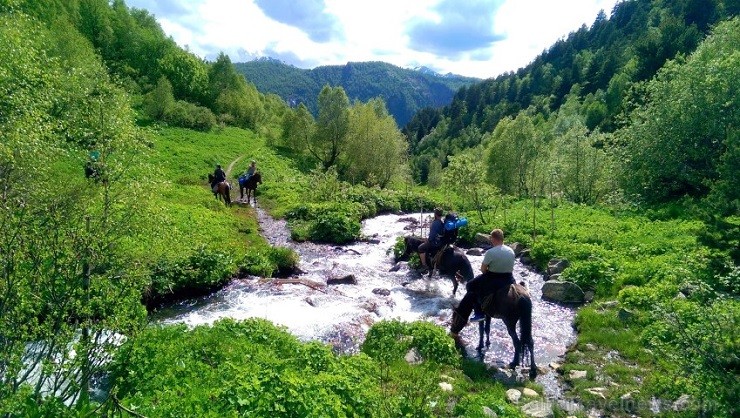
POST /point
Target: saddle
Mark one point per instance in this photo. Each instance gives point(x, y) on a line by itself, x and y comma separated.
point(491, 303)
point(438, 256)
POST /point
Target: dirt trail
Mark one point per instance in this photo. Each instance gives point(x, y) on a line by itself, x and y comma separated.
point(231, 166)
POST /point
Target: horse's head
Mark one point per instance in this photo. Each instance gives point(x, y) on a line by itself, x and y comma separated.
point(210, 177)
point(257, 177)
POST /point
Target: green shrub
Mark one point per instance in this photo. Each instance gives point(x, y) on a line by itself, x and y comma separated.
point(389, 341)
point(284, 259)
point(257, 263)
point(246, 368)
point(200, 272)
point(433, 343)
point(596, 274)
point(335, 227)
point(270, 262)
point(188, 115)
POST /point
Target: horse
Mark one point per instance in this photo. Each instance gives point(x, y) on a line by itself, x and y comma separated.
point(451, 262)
point(222, 190)
point(251, 186)
point(511, 304)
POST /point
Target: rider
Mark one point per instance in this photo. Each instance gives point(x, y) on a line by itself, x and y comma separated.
point(497, 273)
point(432, 244)
point(251, 170)
point(218, 176)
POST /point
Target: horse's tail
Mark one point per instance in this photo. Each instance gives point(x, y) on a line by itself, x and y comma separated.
point(525, 320)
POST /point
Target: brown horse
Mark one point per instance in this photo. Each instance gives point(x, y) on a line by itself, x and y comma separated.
point(221, 190)
point(251, 186)
point(511, 304)
point(452, 262)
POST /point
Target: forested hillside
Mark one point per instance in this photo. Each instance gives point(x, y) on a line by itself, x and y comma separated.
point(598, 72)
point(404, 91)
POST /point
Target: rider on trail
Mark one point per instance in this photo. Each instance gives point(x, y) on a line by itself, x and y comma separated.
point(218, 176)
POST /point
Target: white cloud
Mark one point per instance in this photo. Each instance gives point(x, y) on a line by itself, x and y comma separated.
point(370, 31)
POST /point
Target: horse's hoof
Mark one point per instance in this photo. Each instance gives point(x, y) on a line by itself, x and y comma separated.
point(480, 348)
point(532, 373)
point(488, 343)
point(512, 365)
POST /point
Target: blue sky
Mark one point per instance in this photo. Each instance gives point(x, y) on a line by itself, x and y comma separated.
point(477, 38)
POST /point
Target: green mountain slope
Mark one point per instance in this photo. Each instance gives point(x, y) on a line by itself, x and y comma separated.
point(602, 65)
point(404, 91)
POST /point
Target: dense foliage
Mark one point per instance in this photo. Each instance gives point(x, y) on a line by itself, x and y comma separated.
point(255, 369)
point(404, 91)
point(66, 289)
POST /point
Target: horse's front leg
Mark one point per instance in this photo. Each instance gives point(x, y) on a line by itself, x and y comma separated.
point(481, 332)
point(488, 330)
point(511, 328)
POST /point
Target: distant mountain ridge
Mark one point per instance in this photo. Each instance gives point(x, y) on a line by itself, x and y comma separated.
point(405, 91)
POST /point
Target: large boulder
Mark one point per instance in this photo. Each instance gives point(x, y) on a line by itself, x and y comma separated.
point(517, 247)
point(557, 265)
point(482, 239)
point(563, 292)
point(526, 258)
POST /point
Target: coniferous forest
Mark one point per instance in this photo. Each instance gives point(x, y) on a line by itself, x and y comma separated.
point(617, 148)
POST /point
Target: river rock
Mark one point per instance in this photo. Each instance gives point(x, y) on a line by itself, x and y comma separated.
point(513, 395)
point(475, 251)
point(588, 296)
point(347, 279)
point(525, 258)
point(517, 247)
point(482, 239)
point(506, 377)
point(530, 393)
point(446, 387)
point(625, 315)
point(381, 292)
point(488, 412)
point(555, 277)
point(395, 267)
point(565, 292)
point(577, 374)
point(681, 403)
point(598, 391)
point(413, 357)
point(557, 265)
point(538, 409)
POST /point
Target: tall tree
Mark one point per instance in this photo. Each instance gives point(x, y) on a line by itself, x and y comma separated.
point(466, 175)
point(513, 151)
point(330, 138)
point(298, 128)
point(375, 146)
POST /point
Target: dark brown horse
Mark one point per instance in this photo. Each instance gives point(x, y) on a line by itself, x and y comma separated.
point(251, 186)
point(452, 262)
point(512, 304)
point(221, 191)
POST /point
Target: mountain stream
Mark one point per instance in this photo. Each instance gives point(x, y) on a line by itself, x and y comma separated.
point(341, 315)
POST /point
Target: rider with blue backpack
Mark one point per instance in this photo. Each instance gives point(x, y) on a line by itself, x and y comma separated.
point(250, 171)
